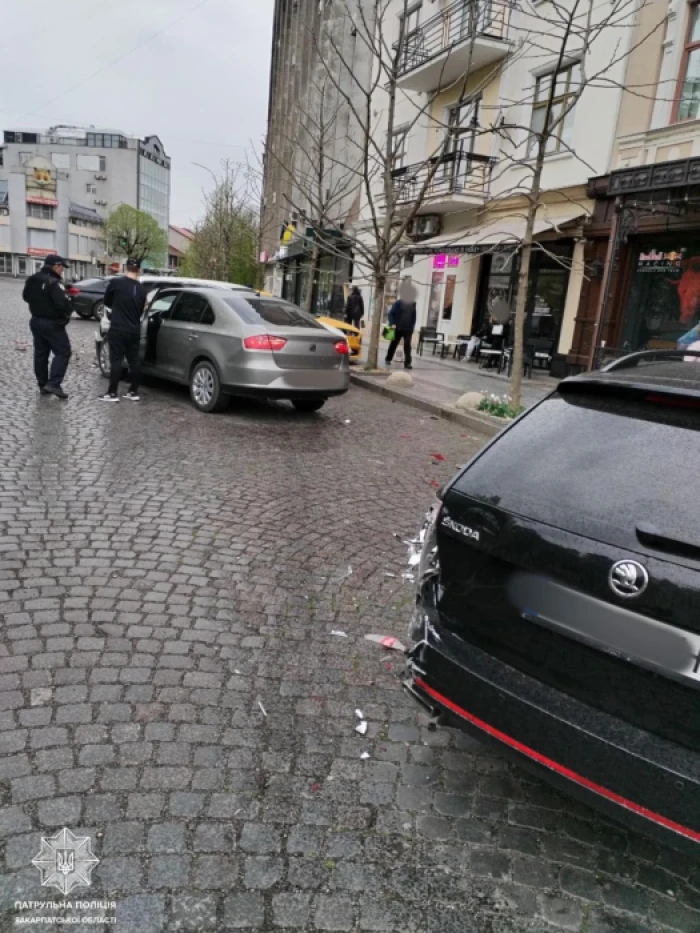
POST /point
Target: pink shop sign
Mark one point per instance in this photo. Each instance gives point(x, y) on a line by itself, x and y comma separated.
point(442, 260)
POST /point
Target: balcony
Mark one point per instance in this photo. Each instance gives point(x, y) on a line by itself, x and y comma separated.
point(464, 37)
point(461, 180)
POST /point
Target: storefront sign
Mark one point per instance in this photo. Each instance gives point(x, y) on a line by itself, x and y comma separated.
point(442, 260)
point(35, 251)
point(655, 260)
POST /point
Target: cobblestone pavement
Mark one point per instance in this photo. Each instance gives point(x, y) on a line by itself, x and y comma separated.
point(164, 577)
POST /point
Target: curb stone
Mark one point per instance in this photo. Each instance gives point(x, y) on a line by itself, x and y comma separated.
point(485, 424)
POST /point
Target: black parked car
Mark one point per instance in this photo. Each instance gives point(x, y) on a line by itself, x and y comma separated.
point(558, 609)
point(88, 297)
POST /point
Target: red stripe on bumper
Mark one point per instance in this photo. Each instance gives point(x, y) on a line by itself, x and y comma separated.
point(559, 769)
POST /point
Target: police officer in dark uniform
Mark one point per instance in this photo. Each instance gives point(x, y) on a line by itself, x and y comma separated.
point(51, 310)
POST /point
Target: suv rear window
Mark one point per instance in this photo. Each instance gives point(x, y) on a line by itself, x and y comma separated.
point(597, 467)
point(273, 313)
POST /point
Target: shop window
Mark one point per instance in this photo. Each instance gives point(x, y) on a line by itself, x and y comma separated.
point(561, 118)
point(60, 159)
point(688, 104)
point(663, 306)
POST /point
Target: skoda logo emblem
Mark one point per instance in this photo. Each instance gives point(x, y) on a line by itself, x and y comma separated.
point(628, 578)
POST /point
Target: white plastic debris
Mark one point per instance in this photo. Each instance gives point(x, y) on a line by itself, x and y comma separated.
point(408, 577)
point(390, 575)
point(365, 755)
point(362, 728)
point(237, 672)
point(348, 421)
point(339, 634)
point(386, 641)
point(262, 709)
point(359, 714)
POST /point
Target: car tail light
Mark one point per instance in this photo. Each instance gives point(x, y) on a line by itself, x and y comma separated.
point(264, 342)
point(72, 291)
point(342, 347)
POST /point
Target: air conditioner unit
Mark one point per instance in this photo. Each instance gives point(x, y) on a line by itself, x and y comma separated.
point(425, 225)
point(99, 201)
point(101, 177)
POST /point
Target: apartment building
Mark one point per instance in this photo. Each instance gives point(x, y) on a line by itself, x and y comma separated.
point(643, 241)
point(480, 71)
point(315, 50)
point(58, 186)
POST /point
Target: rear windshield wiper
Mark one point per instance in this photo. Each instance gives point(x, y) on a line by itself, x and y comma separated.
point(651, 536)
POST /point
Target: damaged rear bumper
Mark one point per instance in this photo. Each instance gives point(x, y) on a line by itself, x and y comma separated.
point(649, 783)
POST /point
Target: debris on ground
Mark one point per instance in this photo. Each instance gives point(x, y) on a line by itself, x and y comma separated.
point(362, 728)
point(348, 421)
point(262, 709)
point(339, 634)
point(439, 457)
point(391, 575)
point(359, 714)
point(365, 755)
point(386, 641)
point(408, 577)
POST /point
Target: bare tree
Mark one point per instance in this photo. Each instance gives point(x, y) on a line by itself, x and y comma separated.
point(225, 241)
point(351, 193)
point(549, 35)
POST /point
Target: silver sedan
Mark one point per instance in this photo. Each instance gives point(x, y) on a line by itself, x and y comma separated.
point(223, 344)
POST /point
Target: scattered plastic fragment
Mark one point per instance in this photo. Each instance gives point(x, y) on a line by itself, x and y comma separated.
point(262, 709)
point(362, 728)
point(237, 672)
point(408, 577)
point(438, 457)
point(359, 714)
point(434, 483)
point(315, 788)
point(386, 641)
point(387, 574)
point(405, 437)
point(365, 755)
point(348, 421)
point(237, 812)
point(339, 634)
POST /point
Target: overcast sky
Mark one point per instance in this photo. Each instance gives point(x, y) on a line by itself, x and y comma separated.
point(197, 76)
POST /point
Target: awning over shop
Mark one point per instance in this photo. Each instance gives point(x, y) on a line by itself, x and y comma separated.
point(496, 236)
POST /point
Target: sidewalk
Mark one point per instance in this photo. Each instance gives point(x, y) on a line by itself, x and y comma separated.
point(437, 384)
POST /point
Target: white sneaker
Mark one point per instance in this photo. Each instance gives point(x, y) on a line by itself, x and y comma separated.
point(132, 396)
point(109, 398)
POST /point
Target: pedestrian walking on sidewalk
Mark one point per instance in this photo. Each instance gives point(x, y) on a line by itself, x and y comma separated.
point(125, 300)
point(354, 307)
point(51, 310)
point(402, 317)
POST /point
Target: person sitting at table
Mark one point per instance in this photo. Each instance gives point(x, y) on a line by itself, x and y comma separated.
point(475, 339)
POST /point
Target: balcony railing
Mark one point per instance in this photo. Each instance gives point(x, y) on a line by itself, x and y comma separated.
point(461, 20)
point(457, 174)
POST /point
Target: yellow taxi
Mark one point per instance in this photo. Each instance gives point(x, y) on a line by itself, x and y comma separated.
point(352, 334)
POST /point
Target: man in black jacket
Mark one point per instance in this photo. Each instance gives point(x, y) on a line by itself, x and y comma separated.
point(354, 307)
point(51, 310)
point(125, 300)
point(402, 317)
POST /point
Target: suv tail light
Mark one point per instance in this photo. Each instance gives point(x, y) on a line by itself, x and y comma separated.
point(264, 342)
point(72, 291)
point(342, 347)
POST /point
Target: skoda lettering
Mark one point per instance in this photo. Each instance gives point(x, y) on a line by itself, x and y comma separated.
point(464, 530)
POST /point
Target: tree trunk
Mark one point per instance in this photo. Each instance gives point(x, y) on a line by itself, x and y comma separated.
point(520, 313)
point(377, 315)
point(315, 255)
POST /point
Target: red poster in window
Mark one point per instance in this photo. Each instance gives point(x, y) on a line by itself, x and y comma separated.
point(439, 262)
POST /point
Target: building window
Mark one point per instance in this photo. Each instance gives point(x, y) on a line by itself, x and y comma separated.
point(560, 131)
point(91, 189)
point(688, 105)
point(40, 211)
point(24, 157)
point(60, 159)
point(399, 148)
point(411, 47)
point(41, 239)
point(103, 163)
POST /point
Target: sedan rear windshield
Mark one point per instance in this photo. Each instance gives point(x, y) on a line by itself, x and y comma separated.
point(89, 283)
point(263, 311)
point(598, 467)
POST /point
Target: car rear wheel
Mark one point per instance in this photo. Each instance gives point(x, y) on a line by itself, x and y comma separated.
point(308, 404)
point(205, 388)
point(98, 310)
point(84, 313)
